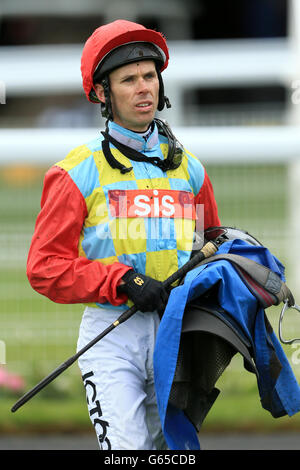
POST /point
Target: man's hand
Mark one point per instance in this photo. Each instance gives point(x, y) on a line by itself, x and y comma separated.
point(145, 292)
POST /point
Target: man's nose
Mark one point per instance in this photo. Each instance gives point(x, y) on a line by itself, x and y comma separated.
point(142, 86)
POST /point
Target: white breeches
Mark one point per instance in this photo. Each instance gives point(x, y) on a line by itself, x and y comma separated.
point(118, 377)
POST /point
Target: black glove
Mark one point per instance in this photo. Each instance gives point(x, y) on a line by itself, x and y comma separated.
point(146, 293)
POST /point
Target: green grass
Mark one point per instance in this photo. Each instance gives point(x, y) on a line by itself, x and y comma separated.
point(233, 412)
point(46, 415)
point(237, 408)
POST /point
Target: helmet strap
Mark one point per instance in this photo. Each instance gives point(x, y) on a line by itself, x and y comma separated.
point(106, 108)
point(162, 99)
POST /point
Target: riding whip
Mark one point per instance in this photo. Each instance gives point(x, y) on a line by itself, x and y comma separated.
point(207, 250)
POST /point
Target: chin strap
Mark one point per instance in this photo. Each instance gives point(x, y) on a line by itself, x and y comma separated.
point(113, 162)
point(106, 109)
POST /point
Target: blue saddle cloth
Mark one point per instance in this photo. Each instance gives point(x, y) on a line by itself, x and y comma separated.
point(279, 395)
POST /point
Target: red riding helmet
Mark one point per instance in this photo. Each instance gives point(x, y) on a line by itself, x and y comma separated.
point(104, 50)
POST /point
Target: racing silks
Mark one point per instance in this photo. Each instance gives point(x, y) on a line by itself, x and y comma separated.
point(144, 219)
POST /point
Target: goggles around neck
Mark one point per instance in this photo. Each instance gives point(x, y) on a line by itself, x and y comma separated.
point(173, 160)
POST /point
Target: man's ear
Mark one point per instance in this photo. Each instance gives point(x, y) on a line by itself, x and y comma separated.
point(99, 90)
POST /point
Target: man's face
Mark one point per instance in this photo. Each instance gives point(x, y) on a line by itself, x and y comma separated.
point(134, 94)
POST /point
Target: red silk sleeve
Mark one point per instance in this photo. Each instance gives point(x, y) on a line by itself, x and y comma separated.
point(54, 268)
point(207, 198)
